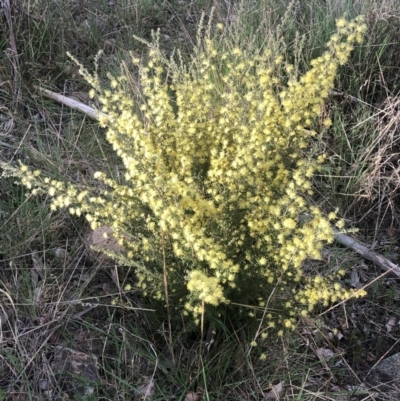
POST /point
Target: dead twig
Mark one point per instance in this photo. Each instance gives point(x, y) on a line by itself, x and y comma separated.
point(73, 104)
point(361, 249)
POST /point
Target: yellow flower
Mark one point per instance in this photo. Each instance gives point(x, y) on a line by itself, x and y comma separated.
point(340, 224)
point(262, 261)
point(332, 216)
point(216, 174)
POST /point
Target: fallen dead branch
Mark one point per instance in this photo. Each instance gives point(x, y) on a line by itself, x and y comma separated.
point(73, 104)
point(343, 239)
point(366, 253)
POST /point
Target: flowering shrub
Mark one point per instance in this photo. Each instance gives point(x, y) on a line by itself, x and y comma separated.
point(212, 202)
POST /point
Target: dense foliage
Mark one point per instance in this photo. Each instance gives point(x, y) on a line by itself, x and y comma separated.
point(211, 209)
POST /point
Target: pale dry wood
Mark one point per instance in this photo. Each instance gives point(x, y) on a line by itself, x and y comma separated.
point(361, 249)
point(73, 104)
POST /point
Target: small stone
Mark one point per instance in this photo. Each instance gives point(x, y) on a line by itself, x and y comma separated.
point(385, 376)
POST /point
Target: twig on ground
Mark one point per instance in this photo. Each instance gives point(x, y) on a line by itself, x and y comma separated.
point(361, 249)
point(74, 104)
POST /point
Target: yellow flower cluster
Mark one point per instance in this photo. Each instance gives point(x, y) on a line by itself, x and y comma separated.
point(320, 289)
point(208, 289)
point(215, 175)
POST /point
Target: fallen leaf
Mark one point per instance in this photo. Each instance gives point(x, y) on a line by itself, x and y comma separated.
point(61, 253)
point(273, 394)
point(339, 335)
point(391, 323)
point(147, 389)
point(192, 396)
point(324, 353)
